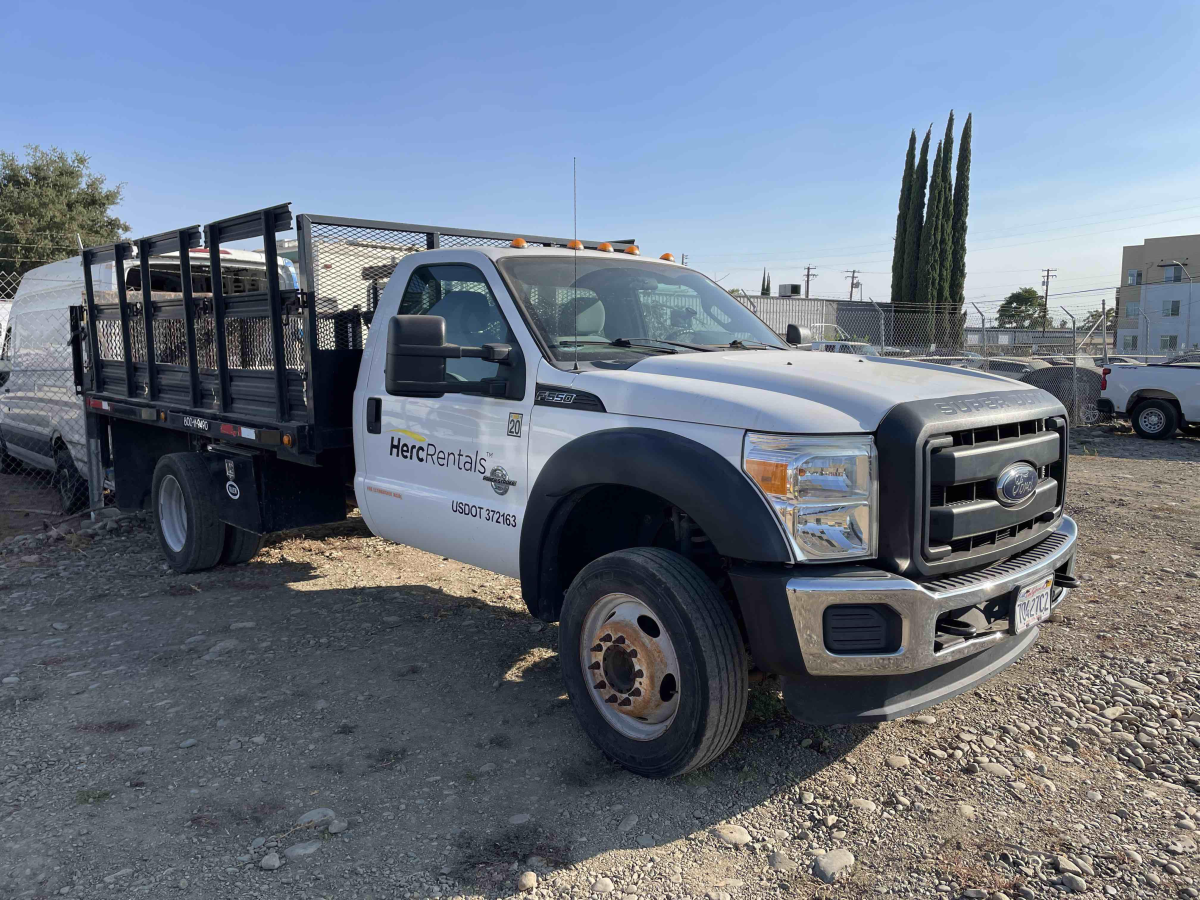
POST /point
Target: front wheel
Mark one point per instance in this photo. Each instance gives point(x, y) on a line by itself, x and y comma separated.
point(653, 661)
point(1155, 419)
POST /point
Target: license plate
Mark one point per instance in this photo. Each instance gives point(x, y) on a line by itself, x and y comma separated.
point(1032, 604)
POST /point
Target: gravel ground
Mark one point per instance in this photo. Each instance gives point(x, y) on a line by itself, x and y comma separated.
point(166, 735)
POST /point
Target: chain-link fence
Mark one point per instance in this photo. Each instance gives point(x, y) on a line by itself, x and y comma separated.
point(1064, 361)
point(43, 446)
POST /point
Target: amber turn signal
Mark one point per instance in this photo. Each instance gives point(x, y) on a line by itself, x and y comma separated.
point(770, 476)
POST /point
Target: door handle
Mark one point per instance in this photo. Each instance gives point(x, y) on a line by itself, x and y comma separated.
point(374, 415)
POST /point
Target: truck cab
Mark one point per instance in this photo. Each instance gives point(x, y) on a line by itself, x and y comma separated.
point(686, 494)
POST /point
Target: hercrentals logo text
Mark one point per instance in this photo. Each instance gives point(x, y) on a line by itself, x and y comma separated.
point(446, 459)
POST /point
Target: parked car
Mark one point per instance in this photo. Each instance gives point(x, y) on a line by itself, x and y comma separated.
point(41, 415)
point(1100, 362)
point(680, 492)
point(1013, 366)
point(1159, 399)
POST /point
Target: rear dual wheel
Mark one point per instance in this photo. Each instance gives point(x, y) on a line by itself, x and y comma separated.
point(653, 661)
point(190, 533)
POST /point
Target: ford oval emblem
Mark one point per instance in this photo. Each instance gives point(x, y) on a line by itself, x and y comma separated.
point(1016, 484)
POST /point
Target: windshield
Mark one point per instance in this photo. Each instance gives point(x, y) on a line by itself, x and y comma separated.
point(581, 305)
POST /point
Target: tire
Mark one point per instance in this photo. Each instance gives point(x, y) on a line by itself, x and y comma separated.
point(1155, 419)
point(664, 607)
point(72, 488)
point(239, 546)
point(185, 516)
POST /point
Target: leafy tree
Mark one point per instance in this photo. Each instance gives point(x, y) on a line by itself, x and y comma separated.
point(906, 188)
point(929, 267)
point(1110, 316)
point(915, 225)
point(958, 227)
point(1021, 309)
point(48, 199)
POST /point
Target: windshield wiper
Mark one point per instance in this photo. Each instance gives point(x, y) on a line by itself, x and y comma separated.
point(629, 342)
point(752, 345)
point(624, 343)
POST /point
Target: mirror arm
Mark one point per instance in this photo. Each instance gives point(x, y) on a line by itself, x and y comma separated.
point(497, 353)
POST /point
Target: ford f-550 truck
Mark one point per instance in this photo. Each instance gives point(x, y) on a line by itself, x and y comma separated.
point(677, 487)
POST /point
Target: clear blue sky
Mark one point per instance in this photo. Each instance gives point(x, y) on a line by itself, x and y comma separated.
point(742, 134)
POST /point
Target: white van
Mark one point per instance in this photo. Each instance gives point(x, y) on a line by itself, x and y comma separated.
point(41, 415)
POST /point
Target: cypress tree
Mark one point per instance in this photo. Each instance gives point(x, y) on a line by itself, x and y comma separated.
point(762, 288)
point(915, 225)
point(945, 330)
point(929, 265)
point(906, 185)
point(767, 291)
point(958, 228)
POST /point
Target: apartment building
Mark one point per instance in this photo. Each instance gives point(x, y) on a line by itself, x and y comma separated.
point(1156, 306)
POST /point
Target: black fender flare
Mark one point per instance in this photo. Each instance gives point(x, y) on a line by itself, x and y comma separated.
point(684, 472)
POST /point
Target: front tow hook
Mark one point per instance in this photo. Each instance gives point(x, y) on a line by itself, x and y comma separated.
point(1063, 580)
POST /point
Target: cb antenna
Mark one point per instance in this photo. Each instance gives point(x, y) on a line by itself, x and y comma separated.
point(575, 236)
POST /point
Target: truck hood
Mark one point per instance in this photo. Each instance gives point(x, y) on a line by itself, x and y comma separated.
point(780, 391)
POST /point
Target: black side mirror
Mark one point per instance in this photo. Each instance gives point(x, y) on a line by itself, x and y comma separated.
point(798, 335)
point(405, 371)
point(416, 361)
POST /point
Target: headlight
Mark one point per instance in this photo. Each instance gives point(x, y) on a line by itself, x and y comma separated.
point(825, 490)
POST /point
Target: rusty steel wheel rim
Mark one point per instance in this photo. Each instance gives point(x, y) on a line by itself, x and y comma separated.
point(630, 666)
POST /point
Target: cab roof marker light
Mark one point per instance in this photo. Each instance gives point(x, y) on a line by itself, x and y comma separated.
point(633, 250)
point(605, 247)
point(519, 243)
point(669, 257)
point(575, 245)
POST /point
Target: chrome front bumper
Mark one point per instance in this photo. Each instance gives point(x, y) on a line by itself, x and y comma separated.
point(918, 605)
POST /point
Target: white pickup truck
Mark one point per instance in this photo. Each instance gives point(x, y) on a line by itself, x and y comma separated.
point(684, 493)
point(1159, 399)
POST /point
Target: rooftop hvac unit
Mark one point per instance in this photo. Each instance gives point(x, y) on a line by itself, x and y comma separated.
point(791, 290)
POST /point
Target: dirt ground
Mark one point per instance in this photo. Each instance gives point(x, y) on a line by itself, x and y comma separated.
point(27, 503)
point(162, 734)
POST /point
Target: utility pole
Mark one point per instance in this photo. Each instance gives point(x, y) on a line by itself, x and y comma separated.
point(683, 259)
point(808, 276)
point(853, 281)
point(1104, 329)
point(1047, 274)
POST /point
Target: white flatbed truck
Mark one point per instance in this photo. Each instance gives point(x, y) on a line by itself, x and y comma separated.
point(684, 493)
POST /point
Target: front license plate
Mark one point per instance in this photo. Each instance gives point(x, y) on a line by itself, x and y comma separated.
point(1032, 604)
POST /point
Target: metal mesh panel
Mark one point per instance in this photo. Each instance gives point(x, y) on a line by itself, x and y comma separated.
point(351, 267)
point(170, 342)
point(137, 327)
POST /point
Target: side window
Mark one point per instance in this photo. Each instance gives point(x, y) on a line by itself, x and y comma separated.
point(461, 296)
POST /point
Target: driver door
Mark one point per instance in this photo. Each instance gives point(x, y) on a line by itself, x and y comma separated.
point(448, 474)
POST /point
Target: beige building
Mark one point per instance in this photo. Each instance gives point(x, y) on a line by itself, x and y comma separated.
point(1155, 314)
